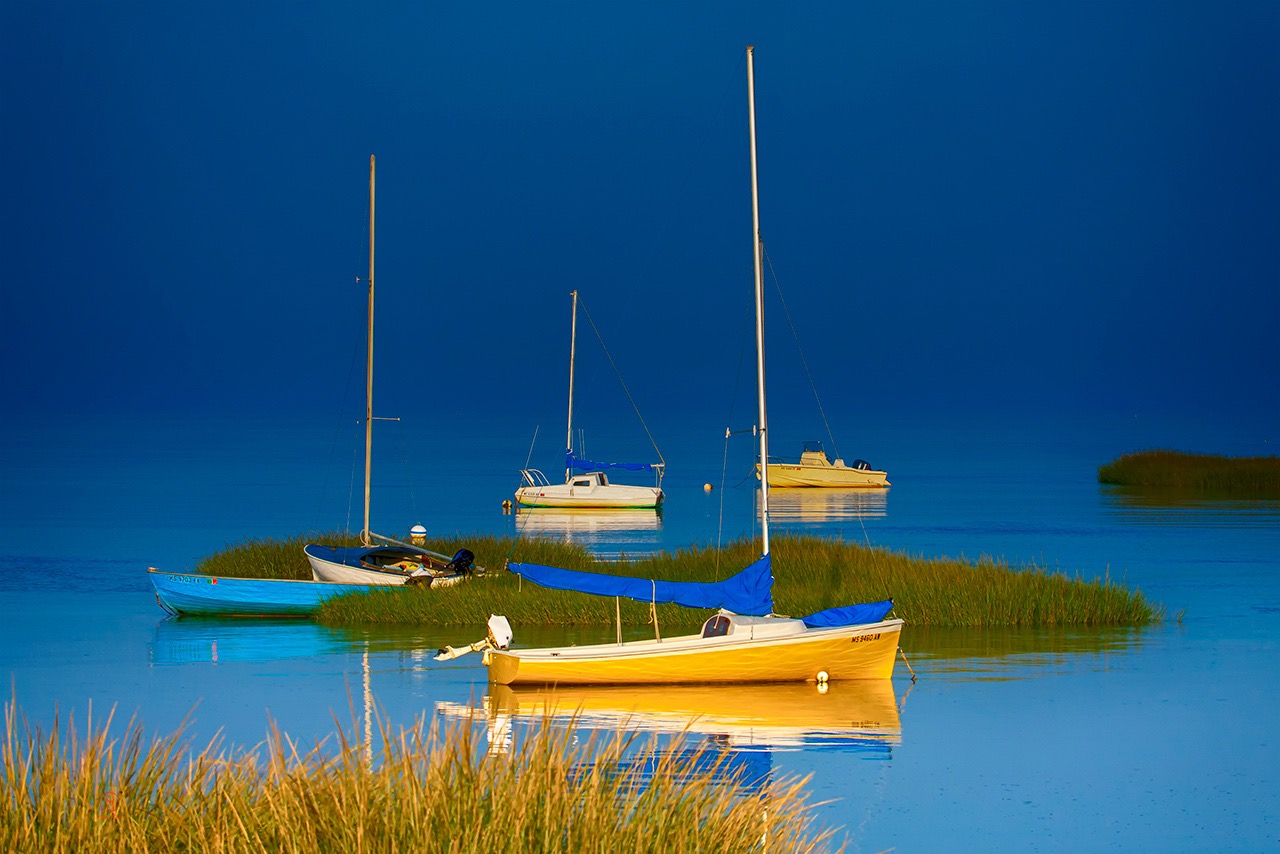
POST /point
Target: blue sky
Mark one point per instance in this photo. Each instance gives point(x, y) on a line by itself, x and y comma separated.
point(972, 208)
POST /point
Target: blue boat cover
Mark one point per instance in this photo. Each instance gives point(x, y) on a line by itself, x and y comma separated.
point(748, 593)
point(572, 462)
point(849, 615)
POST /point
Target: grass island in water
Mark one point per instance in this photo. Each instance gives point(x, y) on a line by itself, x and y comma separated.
point(1205, 474)
point(810, 574)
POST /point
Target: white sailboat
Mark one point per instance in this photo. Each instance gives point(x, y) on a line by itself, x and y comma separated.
point(590, 487)
point(745, 641)
point(391, 562)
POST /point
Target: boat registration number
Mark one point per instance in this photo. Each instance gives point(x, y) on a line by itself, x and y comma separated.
point(864, 638)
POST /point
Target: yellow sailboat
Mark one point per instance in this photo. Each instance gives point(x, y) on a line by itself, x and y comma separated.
point(731, 648)
point(745, 641)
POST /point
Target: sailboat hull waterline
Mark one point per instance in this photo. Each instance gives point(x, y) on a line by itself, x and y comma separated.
point(812, 655)
point(587, 493)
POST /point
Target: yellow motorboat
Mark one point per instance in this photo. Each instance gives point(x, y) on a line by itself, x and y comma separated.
point(814, 470)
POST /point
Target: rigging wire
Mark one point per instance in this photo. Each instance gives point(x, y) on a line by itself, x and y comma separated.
point(778, 287)
point(337, 432)
point(812, 386)
point(728, 431)
point(613, 365)
point(515, 507)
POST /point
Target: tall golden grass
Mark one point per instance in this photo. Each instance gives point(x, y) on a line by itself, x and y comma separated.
point(423, 789)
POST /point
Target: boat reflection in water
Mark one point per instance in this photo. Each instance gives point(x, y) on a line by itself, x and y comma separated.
point(604, 532)
point(730, 731)
point(190, 640)
point(218, 640)
point(806, 506)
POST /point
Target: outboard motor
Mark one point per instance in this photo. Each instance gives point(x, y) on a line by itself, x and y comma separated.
point(862, 465)
point(463, 562)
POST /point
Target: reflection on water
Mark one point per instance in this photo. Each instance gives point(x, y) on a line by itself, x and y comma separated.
point(1016, 653)
point(605, 533)
point(803, 506)
point(856, 716)
point(214, 640)
point(187, 640)
point(1167, 507)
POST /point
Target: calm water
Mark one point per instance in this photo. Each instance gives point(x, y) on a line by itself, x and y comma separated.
point(1159, 739)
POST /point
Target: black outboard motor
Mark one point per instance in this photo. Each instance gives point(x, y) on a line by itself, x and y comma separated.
point(862, 465)
point(463, 562)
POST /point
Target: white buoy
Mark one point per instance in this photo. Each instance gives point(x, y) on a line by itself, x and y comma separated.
point(418, 535)
point(822, 677)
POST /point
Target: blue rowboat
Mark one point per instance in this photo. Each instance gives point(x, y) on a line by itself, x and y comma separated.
point(192, 594)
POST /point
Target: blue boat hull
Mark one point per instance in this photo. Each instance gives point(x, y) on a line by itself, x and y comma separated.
point(191, 594)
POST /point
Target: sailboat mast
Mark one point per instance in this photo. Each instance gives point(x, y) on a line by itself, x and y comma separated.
point(759, 285)
point(573, 344)
point(368, 394)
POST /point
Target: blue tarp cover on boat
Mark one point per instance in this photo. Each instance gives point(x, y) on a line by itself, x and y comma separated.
point(749, 592)
point(849, 615)
point(570, 461)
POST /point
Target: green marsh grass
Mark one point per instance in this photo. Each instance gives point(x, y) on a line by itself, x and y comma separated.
point(270, 558)
point(1206, 474)
point(810, 574)
point(423, 789)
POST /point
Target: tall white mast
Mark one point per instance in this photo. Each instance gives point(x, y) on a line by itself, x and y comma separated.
point(756, 253)
point(573, 344)
point(368, 394)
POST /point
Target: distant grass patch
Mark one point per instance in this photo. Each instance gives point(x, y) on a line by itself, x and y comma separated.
point(811, 573)
point(419, 789)
point(1207, 474)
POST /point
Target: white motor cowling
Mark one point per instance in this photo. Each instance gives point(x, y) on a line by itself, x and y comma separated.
point(499, 631)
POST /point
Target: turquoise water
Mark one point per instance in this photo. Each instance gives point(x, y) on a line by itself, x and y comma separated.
point(1154, 739)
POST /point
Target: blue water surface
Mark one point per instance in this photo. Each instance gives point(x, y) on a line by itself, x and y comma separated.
point(1153, 739)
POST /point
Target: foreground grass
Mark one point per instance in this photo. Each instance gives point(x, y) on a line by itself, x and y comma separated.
point(1247, 477)
point(425, 790)
point(810, 574)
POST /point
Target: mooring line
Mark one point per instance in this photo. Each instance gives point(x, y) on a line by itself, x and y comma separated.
point(908, 664)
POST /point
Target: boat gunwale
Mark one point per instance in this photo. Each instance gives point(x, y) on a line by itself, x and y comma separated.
point(234, 578)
